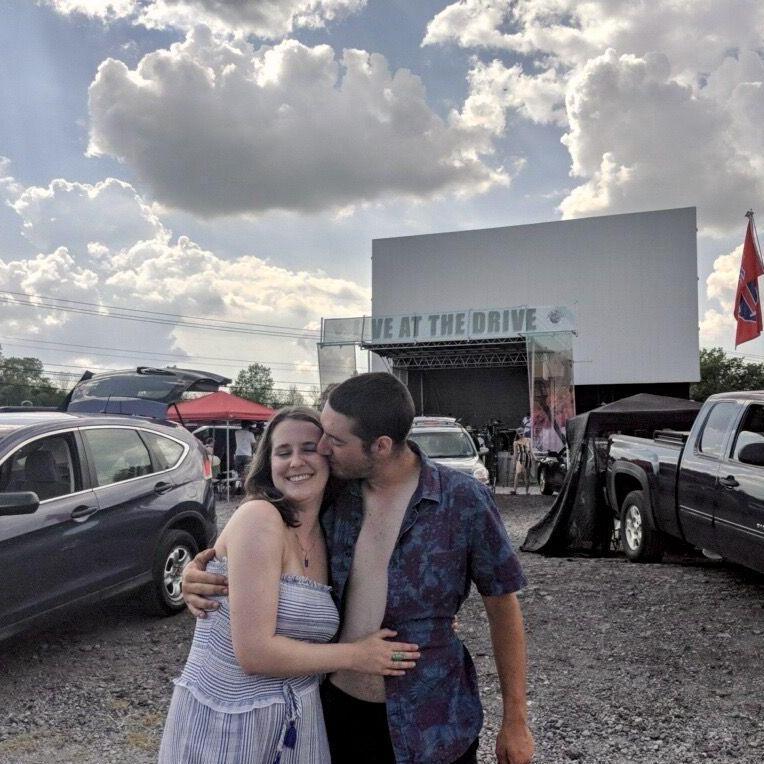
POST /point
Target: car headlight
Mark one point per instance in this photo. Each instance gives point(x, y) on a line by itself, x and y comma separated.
point(480, 473)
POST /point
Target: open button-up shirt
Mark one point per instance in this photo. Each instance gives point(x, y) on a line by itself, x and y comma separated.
point(451, 536)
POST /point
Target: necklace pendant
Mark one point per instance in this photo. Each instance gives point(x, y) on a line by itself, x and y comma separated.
point(306, 561)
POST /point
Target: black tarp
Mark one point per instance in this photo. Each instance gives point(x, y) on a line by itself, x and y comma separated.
point(580, 520)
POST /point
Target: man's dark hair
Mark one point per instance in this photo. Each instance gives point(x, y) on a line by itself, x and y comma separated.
point(378, 403)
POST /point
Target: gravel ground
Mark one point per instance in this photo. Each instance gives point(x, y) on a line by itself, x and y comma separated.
point(653, 664)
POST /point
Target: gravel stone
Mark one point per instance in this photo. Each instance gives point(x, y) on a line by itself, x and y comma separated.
point(628, 664)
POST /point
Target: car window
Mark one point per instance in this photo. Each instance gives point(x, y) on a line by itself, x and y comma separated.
point(166, 452)
point(751, 430)
point(46, 466)
point(118, 454)
point(443, 445)
point(715, 428)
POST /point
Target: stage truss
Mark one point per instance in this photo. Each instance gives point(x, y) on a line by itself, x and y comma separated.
point(467, 354)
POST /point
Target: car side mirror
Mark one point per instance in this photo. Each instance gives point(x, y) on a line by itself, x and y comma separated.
point(753, 454)
point(483, 451)
point(19, 503)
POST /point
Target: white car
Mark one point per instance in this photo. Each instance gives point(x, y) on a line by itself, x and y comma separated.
point(446, 442)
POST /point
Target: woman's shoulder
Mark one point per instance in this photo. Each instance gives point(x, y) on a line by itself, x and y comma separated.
point(258, 513)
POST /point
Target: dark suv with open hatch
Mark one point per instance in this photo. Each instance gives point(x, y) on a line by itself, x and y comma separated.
point(104, 497)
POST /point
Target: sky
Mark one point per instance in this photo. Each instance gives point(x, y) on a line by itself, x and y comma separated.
point(198, 182)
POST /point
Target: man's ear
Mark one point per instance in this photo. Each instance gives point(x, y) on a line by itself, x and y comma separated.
point(382, 446)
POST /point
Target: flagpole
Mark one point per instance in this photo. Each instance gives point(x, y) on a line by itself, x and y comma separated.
point(749, 215)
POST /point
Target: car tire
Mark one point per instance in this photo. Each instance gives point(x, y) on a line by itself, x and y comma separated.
point(639, 540)
point(174, 551)
point(545, 486)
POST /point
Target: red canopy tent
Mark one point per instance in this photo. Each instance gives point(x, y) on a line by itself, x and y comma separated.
point(220, 407)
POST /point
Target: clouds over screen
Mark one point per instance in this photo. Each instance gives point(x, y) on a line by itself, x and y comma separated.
point(661, 102)
point(218, 127)
point(269, 19)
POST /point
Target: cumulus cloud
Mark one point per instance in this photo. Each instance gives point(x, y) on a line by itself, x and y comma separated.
point(140, 264)
point(218, 127)
point(717, 327)
point(44, 274)
point(643, 140)
point(495, 88)
point(269, 19)
point(662, 101)
point(697, 35)
point(721, 284)
point(105, 10)
point(9, 187)
point(81, 216)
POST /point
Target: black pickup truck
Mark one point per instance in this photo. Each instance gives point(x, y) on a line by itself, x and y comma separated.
point(704, 487)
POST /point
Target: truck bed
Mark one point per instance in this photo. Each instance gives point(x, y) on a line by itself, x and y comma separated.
point(663, 449)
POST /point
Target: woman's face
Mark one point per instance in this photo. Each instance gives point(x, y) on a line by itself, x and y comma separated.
point(298, 471)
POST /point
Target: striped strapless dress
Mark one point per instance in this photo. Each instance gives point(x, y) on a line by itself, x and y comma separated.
point(220, 715)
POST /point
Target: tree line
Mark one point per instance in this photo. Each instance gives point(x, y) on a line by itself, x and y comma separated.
point(255, 383)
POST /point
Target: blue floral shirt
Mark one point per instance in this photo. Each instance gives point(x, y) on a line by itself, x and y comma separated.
point(451, 536)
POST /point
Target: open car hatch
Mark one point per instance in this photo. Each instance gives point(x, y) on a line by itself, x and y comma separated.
point(144, 391)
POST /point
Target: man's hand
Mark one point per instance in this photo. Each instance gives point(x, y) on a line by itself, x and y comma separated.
point(198, 585)
point(514, 744)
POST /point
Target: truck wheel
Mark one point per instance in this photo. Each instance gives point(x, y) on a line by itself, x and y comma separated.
point(640, 542)
point(174, 551)
point(544, 485)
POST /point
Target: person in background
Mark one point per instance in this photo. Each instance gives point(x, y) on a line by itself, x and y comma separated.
point(245, 447)
point(523, 456)
point(209, 447)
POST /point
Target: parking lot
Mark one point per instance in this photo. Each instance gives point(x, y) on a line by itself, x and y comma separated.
point(628, 663)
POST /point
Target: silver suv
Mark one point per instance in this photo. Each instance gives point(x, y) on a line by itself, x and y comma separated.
point(446, 442)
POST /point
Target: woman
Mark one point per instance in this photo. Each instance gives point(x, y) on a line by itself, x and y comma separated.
point(249, 690)
point(523, 456)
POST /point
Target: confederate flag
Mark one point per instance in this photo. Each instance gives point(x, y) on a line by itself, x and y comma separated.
point(747, 305)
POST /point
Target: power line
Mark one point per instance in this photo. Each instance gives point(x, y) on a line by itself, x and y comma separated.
point(159, 321)
point(139, 353)
point(131, 352)
point(206, 319)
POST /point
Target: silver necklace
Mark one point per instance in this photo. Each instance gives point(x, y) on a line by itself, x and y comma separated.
point(305, 552)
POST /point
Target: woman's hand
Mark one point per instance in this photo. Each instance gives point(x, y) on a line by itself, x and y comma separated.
point(376, 655)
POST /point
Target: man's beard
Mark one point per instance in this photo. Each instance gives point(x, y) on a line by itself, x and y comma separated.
point(358, 471)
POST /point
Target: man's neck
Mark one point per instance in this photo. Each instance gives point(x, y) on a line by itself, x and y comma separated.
point(394, 473)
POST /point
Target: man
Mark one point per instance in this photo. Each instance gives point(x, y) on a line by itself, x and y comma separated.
point(406, 538)
point(245, 447)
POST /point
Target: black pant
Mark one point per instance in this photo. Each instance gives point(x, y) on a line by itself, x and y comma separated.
point(358, 732)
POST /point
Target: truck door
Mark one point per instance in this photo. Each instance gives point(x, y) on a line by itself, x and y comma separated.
point(698, 491)
point(739, 518)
